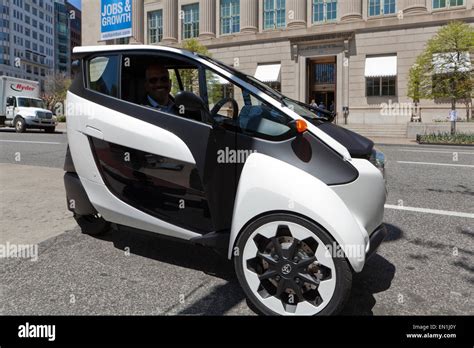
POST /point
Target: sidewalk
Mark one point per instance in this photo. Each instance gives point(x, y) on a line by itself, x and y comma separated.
point(61, 127)
point(33, 206)
point(392, 141)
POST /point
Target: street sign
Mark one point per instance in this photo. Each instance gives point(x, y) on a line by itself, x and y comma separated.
point(115, 19)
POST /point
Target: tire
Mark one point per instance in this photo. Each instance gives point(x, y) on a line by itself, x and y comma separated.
point(313, 283)
point(92, 225)
point(20, 125)
point(50, 129)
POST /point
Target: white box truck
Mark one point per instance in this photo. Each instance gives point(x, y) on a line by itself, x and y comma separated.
point(21, 106)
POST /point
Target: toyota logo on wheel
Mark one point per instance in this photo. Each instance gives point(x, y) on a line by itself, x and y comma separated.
point(286, 269)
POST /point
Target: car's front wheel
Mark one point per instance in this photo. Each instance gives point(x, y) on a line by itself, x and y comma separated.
point(20, 125)
point(286, 266)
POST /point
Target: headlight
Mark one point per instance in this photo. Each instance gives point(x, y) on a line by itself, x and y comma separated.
point(377, 158)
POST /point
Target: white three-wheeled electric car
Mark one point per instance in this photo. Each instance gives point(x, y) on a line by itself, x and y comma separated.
point(173, 142)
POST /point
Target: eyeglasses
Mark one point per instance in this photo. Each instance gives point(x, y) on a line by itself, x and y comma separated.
point(154, 80)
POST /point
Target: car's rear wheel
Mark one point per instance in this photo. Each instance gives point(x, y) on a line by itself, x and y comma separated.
point(286, 266)
point(93, 225)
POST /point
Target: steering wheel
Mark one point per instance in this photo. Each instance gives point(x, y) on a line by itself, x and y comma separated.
point(221, 103)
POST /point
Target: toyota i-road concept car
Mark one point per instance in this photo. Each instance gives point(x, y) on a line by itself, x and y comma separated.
point(297, 203)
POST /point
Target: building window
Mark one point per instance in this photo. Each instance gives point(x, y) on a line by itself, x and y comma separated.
point(274, 15)
point(230, 16)
point(381, 86)
point(381, 76)
point(191, 21)
point(324, 73)
point(382, 7)
point(155, 26)
point(447, 3)
point(324, 10)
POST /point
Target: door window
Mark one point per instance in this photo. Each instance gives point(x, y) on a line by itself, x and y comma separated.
point(155, 80)
point(252, 115)
point(103, 75)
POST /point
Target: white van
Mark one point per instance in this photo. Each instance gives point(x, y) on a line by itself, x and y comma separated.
point(182, 145)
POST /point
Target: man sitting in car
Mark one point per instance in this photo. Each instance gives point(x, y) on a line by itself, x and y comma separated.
point(158, 87)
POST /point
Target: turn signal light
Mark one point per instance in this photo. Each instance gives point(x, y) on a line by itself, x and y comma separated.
point(301, 126)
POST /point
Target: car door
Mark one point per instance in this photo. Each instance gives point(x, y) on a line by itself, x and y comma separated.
point(161, 166)
point(10, 108)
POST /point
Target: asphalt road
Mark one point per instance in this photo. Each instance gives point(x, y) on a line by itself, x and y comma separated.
point(424, 267)
point(33, 147)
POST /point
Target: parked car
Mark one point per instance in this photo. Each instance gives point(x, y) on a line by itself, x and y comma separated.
point(21, 106)
point(296, 202)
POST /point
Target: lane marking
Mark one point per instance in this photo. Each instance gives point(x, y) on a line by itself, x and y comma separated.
point(31, 142)
point(434, 151)
point(431, 211)
point(438, 164)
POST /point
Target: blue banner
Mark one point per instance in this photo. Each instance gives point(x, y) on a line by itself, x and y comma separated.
point(115, 19)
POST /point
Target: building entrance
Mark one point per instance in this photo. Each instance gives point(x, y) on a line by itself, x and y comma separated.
point(322, 81)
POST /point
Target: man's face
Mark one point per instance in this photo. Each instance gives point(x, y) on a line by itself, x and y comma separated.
point(158, 84)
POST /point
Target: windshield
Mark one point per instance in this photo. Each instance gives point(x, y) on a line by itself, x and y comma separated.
point(31, 103)
point(300, 108)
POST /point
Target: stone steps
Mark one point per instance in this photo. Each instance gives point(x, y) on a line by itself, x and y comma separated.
point(379, 130)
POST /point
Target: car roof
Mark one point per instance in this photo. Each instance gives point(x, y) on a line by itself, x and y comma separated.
point(110, 48)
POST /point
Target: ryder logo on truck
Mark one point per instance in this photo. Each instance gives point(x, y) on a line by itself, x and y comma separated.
point(18, 87)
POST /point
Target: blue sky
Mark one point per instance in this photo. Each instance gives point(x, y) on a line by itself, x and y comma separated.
point(76, 3)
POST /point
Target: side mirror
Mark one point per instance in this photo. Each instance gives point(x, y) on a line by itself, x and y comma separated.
point(10, 101)
point(76, 66)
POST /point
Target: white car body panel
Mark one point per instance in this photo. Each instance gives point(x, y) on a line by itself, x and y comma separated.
point(370, 184)
point(268, 184)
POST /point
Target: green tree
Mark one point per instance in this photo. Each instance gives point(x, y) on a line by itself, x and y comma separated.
point(189, 77)
point(55, 91)
point(443, 70)
point(415, 79)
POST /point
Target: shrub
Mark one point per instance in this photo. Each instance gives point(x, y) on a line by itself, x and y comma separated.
point(446, 138)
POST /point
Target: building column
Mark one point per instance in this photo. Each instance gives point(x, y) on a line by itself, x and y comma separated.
point(350, 10)
point(249, 16)
point(296, 13)
point(207, 19)
point(414, 6)
point(137, 22)
point(170, 21)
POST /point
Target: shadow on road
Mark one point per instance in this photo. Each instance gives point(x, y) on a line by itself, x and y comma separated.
point(218, 301)
point(180, 253)
point(376, 277)
point(394, 233)
point(171, 251)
